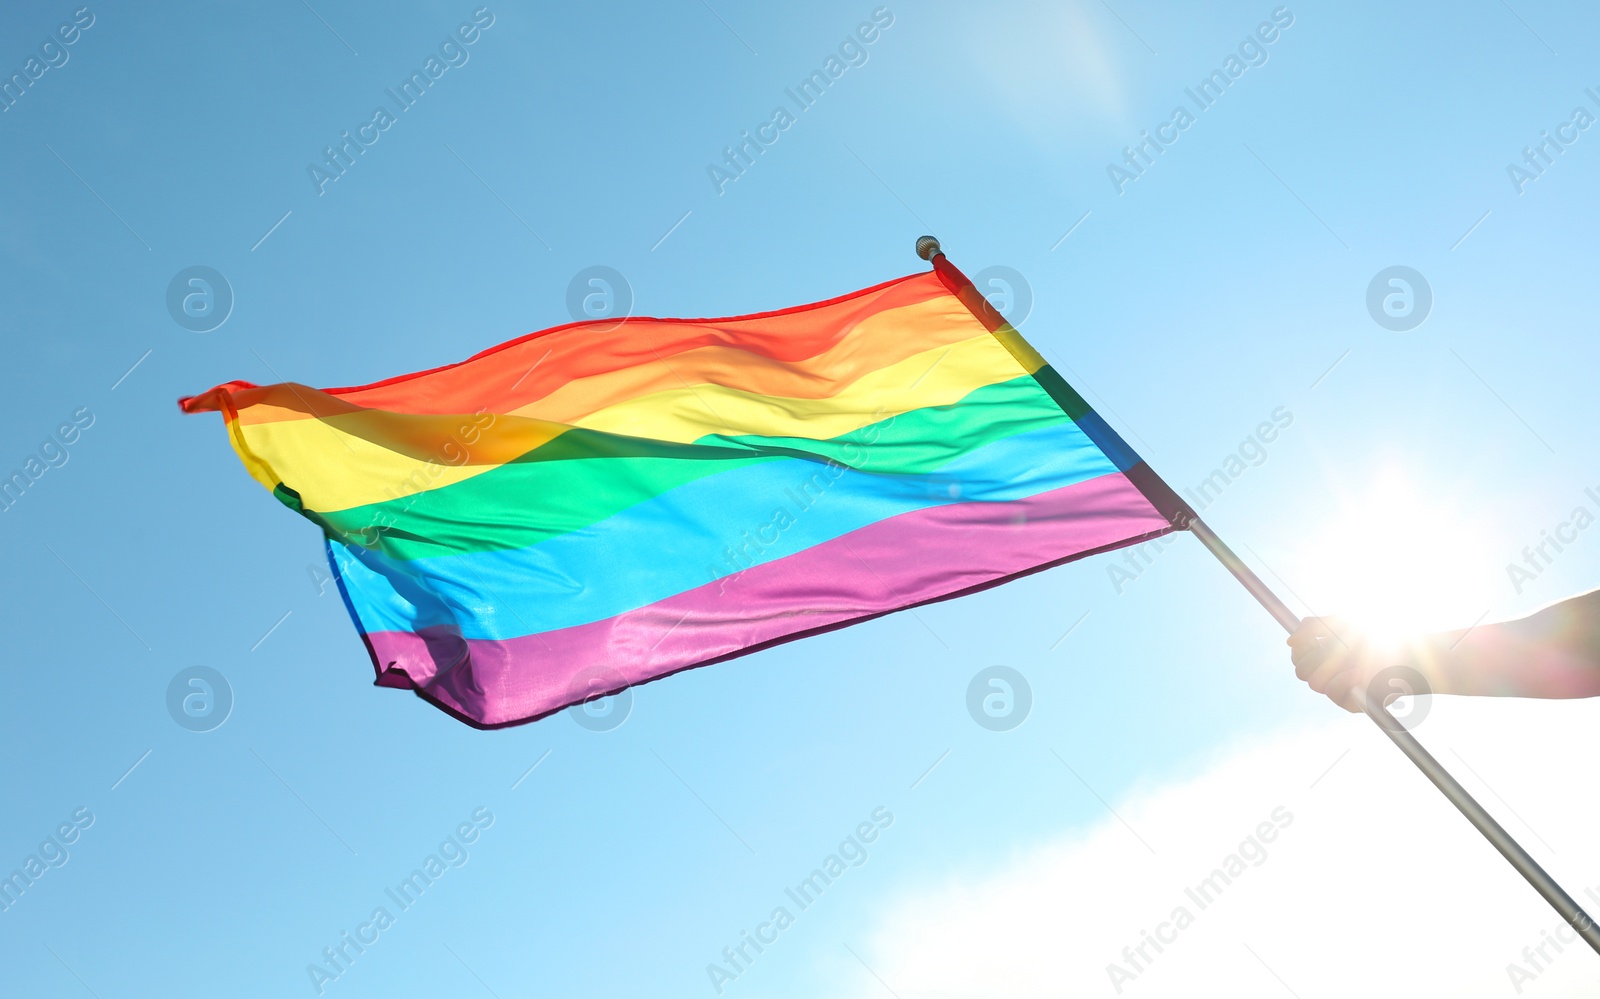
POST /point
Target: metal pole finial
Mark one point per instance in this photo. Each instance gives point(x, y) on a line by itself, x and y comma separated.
point(927, 247)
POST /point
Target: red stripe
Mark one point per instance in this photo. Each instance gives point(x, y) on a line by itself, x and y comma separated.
point(536, 366)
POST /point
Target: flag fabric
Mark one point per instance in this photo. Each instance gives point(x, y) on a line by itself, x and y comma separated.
point(605, 503)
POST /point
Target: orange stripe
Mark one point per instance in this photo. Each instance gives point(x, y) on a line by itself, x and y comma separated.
point(878, 342)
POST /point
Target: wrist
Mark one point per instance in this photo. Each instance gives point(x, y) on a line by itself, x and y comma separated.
point(1434, 657)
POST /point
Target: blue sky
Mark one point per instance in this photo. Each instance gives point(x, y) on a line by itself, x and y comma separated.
point(1227, 282)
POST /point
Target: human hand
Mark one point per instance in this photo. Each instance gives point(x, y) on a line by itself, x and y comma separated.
point(1335, 659)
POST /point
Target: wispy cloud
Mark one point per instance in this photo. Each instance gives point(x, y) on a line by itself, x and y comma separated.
point(1375, 888)
point(1064, 69)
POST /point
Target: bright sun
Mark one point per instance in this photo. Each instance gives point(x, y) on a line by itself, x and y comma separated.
point(1397, 562)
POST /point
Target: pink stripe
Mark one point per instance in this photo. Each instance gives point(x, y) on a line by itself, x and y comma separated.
point(914, 558)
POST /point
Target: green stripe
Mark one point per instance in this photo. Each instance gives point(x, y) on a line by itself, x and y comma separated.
point(1065, 395)
point(585, 476)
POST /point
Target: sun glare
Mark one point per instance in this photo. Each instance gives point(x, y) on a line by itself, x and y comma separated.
point(1398, 561)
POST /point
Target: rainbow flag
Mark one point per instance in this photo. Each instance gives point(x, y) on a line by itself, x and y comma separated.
point(605, 503)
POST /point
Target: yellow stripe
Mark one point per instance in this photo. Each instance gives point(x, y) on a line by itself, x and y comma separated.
point(253, 464)
point(333, 468)
point(1030, 359)
point(334, 464)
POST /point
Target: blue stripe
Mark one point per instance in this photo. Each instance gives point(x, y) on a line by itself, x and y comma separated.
point(1108, 441)
point(701, 531)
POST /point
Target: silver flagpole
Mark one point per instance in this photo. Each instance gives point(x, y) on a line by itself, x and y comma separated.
point(1184, 518)
point(1485, 823)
